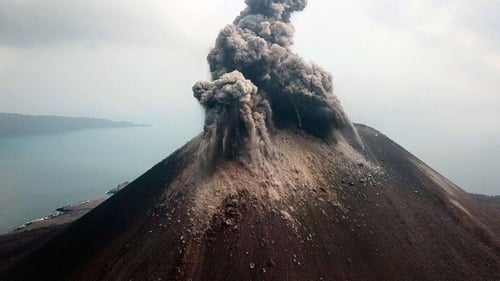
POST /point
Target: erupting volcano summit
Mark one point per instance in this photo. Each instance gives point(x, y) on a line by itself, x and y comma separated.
point(257, 81)
point(280, 185)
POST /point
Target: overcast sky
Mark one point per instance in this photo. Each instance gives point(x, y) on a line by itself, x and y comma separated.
point(424, 72)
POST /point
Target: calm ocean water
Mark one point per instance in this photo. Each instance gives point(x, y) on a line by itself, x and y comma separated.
point(41, 173)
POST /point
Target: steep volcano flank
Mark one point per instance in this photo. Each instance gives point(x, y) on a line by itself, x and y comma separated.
point(82, 250)
point(358, 222)
point(414, 174)
point(329, 212)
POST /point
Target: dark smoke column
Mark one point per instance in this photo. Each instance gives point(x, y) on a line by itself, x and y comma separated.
point(258, 81)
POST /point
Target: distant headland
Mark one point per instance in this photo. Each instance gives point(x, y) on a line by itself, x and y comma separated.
point(13, 124)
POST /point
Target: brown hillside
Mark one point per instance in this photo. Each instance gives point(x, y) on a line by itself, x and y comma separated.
point(319, 211)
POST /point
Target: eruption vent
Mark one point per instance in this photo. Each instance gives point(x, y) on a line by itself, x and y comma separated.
point(257, 81)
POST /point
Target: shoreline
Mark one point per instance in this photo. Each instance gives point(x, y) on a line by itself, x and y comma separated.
point(22, 241)
point(18, 243)
point(66, 214)
point(63, 215)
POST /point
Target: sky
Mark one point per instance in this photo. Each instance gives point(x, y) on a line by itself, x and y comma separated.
point(424, 72)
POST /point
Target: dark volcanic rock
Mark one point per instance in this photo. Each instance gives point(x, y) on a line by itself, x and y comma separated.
point(317, 211)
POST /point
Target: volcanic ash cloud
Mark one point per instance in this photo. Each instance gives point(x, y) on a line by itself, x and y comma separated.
point(257, 81)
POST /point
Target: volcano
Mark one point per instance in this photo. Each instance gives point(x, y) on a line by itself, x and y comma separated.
point(280, 185)
point(327, 212)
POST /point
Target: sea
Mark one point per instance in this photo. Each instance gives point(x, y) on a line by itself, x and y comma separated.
point(41, 173)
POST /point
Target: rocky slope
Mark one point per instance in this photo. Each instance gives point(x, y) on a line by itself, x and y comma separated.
point(317, 211)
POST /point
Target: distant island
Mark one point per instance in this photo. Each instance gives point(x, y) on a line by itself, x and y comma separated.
point(13, 124)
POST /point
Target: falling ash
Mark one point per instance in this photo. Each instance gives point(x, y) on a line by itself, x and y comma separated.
point(258, 82)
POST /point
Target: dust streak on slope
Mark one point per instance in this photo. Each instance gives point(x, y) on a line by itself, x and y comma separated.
point(301, 165)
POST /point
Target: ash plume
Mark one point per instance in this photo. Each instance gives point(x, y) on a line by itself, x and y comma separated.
point(257, 81)
point(237, 115)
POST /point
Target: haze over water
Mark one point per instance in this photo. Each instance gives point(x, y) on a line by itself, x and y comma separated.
point(41, 173)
